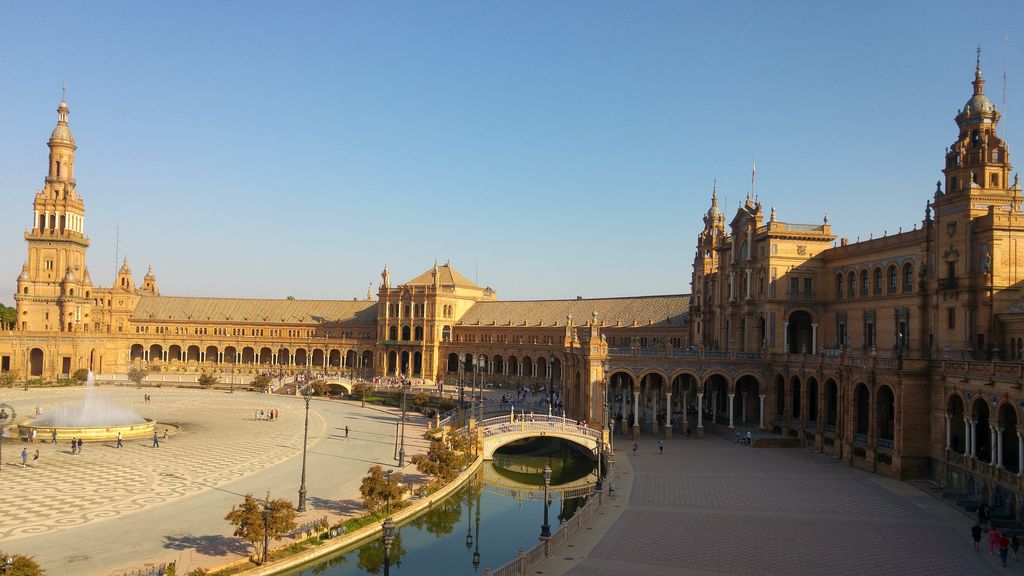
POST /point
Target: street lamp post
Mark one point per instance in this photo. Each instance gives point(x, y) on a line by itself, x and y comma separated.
point(307, 394)
point(545, 528)
point(27, 365)
point(476, 551)
point(401, 451)
point(462, 391)
point(388, 531)
point(480, 391)
point(266, 530)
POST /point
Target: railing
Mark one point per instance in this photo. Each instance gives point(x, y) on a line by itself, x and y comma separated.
point(520, 565)
point(535, 423)
point(885, 443)
point(861, 439)
point(448, 417)
point(148, 570)
point(538, 493)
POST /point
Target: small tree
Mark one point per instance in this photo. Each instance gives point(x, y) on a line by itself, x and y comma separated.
point(8, 379)
point(22, 566)
point(319, 388)
point(377, 489)
point(445, 457)
point(207, 380)
point(261, 382)
point(256, 521)
point(137, 375)
point(81, 375)
point(420, 399)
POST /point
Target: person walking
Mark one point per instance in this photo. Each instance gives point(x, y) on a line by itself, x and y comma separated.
point(634, 448)
point(80, 446)
point(35, 458)
point(32, 436)
point(346, 431)
point(993, 541)
point(1004, 549)
point(661, 447)
point(156, 440)
point(74, 445)
point(119, 444)
point(976, 536)
point(53, 435)
point(24, 457)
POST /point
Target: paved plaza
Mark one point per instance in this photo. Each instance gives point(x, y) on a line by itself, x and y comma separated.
point(710, 507)
point(110, 509)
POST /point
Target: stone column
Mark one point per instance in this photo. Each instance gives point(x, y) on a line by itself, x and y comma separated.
point(1020, 453)
point(785, 337)
point(968, 441)
point(668, 414)
point(974, 440)
point(636, 413)
point(814, 338)
point(730, 410)
point(700, 414)
point(761, 412)
point(992, 445)
point(999, 446)
point(949, 431)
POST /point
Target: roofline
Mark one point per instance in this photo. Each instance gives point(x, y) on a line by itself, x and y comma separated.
point(590, 299)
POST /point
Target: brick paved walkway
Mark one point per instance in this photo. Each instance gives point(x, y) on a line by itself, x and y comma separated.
point(711, 507)
point(106, 509)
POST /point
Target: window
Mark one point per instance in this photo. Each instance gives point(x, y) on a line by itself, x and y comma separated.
point(775, 248)
point(839, 286)
point(951, 269)
point(863, 283)
point(851, 284)
point(908, 277)
point(841, 334)
point(773, 283)
point(891, 273)
point(994, 180)
point(951, 318)
point(808, 288)
point(48, 265)
point(878, 281)
point(794, 287)
point(869, 334)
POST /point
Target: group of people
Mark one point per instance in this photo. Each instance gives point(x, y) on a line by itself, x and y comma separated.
point(76, 445)
point(998, 542)
point(24, 457)
point(268, 415)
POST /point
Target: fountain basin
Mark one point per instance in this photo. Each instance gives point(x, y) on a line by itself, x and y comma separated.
point(89, 433)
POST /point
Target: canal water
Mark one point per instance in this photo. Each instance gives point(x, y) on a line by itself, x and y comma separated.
point(483, 524)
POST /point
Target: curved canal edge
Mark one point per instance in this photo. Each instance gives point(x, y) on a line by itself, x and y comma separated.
point(351, 540)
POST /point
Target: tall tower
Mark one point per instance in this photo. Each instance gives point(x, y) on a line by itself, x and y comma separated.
point(53, 289)
point(974, 240)
point(705, 274)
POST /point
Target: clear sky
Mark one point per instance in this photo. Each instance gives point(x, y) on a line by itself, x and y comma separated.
point(549, 149)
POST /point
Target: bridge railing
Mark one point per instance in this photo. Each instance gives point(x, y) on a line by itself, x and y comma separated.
point(535, 423)
point(538, 493)
point(448, 418)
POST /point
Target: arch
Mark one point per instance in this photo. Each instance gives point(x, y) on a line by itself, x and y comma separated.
point(351, 358)
point(318, 357)
point(248, 355)
point(861, 413)
point(211, 354)
point(891, 279)
point(35, 361)
point(156, 352)
point(851, 284)
point(367, 358)
point(955, 411)
point(812, 400)
point(513, 365)
point(885, 416)
point(406, 333)
point(528, 367)
point(747, 407)
point(393, 333)
point(403, 367)
point(137, 352)
point(499, 364)
point(301, 357)
point(392, 366)
point(542, 367)
point(864, 287)
point(798, 333)
point(417, 363)
point(334, 358)
point(231, 355)
point(795, 408)
point(283, 356)
point(174, 353)
point(1007, 423)
point(831, 407)
point(446, 334)
point(556, 368)
point(453, 363)
point(839, 286)
point(780, 396)
point(981, 434)
point(908, 277)
point(418, 333)
point(192, 353)
point(266, 355)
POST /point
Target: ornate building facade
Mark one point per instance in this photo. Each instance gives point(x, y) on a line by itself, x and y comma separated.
point(901, 354)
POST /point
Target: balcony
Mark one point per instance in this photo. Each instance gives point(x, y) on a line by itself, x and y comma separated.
point(947, 284)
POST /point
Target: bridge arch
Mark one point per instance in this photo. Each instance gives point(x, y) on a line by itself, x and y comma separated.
point(502, 430)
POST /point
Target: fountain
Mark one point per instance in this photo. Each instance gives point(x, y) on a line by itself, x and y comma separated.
point(93, 420)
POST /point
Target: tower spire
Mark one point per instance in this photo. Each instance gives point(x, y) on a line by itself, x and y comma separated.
point(979, 83)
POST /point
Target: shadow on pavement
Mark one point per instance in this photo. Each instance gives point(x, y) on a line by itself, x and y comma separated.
point(211, 545)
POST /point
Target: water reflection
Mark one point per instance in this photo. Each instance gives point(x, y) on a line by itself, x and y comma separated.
point(498, 521)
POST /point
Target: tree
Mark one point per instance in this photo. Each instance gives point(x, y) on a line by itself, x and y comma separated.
point(137, 375)
point(249, 520)
point(319, 387)
point(22, 566)
point(420, 399)
point(378, 490)
point(7, 379)
point(445, 457)
point(261, 382)
point(81, 375)
point(8, 316)
point(207, 380)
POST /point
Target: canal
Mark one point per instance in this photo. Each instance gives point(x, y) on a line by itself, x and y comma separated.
point(498, 512)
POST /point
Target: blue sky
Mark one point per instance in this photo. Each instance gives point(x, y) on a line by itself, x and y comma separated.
point(549, 149)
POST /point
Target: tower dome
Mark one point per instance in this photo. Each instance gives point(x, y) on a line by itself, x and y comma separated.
point(62, 132)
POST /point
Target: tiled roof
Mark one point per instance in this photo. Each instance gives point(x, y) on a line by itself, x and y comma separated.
point(645, 310)
point(156, 308)
point(447, 276)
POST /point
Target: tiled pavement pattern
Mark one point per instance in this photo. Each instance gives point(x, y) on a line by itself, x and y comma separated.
point(709, 507)
point(212, 447)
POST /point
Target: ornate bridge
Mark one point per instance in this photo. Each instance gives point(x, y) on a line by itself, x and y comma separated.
point(505, 486)
point(501, 430)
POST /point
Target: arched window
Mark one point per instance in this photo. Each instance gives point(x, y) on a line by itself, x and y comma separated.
point(864, 283)
point(839, 286)
point(878, 281)
point(908, 277)
point(892, 279)
point(851, 284)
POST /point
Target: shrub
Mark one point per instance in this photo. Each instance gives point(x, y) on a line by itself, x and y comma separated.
point(377, 489)
point(81, 375)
